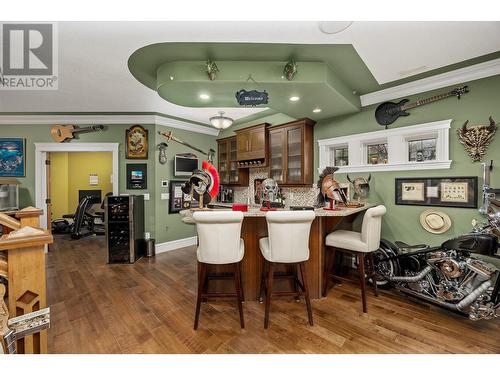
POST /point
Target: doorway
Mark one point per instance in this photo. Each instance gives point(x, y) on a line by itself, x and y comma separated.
point(43, 172)
point(74, 180)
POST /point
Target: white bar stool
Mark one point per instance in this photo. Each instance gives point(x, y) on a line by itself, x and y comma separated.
point(357, 243)
point(219, 242)
point(288, 243)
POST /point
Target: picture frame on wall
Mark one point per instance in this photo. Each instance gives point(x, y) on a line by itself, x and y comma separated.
point(136, 142)
point(12, 157)
point(437, 191)
point(178, 199)
point(137, 176)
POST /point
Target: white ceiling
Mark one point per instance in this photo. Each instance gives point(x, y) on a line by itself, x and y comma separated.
point(93, 73)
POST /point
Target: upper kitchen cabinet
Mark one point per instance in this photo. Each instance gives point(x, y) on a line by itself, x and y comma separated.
point(252, 146)
point(291, 153)
point(229, 173)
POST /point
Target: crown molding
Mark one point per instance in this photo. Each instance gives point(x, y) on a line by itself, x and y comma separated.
point(469, 73)
point(37, 119)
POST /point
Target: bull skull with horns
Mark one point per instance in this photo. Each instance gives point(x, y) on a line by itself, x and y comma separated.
point(361, 187)
point(476, 139)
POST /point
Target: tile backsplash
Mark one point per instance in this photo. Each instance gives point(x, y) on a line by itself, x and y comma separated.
point(295, 196)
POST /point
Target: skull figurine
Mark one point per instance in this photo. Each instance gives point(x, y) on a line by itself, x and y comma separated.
point(269, 190)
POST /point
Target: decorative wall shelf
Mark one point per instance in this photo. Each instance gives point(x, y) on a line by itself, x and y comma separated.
point(397, 148)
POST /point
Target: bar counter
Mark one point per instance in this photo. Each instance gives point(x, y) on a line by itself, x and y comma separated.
point(255, 227)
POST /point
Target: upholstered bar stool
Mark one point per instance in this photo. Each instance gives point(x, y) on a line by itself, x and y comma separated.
point(219, 243)
point(288, 243)
point(360, 244)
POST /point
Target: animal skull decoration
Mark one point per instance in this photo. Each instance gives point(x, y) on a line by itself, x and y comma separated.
point(361, 187)
point(476, 139)
point(269, 190)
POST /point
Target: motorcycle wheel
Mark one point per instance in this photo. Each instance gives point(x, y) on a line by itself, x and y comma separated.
point(386, 250)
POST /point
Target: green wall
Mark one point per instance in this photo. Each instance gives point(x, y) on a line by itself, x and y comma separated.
point(163, 227)
point(170, 227)
point(402, 222)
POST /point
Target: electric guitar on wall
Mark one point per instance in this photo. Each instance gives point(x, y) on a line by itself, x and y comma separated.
point(388, 112)
point(61, 133)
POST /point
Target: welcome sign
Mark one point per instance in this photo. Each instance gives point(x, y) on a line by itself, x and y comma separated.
point(252, 97)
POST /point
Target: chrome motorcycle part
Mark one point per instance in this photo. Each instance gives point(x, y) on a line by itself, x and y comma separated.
point(450, 268)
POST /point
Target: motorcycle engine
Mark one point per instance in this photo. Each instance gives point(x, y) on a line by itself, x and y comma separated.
point(457, 275)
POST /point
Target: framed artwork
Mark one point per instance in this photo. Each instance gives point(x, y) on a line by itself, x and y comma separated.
point(178, 200)
point(136, 143)
point(137, 176)
point(437, 191)
point(12, 157)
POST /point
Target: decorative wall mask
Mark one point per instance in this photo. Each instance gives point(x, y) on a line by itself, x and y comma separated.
point(212, 69)
point(361, 187)
point(162, 156)
point(290, 69)
point(476, 139)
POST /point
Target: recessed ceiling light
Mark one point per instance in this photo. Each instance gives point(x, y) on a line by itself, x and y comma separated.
point(294, 98)
point(317, 110)
point(333, 27)
point(204, 96)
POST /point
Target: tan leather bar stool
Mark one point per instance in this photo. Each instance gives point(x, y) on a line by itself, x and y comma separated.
point(360, 244)
point(288, 243)
point(219, 243)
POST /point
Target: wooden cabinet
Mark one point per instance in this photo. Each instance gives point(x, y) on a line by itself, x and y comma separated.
point(291, 153)
point(252, 145)
point(229, 173)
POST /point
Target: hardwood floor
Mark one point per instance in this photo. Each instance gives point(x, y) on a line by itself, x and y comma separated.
point(148, 307)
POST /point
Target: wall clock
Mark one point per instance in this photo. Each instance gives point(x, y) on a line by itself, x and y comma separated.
point(136, 141)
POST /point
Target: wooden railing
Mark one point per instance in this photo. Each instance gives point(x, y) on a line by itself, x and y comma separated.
point(25, 271)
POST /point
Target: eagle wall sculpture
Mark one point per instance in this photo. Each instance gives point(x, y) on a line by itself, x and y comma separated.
point(476, 139)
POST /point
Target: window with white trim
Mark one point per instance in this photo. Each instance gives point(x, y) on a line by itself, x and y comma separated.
point(423, 146)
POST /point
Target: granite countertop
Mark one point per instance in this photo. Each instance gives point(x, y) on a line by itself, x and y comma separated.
point(256, 212)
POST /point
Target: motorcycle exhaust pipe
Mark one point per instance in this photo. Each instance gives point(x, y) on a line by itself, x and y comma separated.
point(453, 306)
point(410, 279)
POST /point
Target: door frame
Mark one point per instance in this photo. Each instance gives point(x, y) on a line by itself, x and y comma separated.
point(41, 150)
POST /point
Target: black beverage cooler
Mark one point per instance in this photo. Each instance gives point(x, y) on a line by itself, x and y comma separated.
point(124, 217)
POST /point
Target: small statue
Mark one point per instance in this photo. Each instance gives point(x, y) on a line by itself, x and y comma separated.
point(212, 69)
point(476, 139)
point(290, 69)
point(269, 191)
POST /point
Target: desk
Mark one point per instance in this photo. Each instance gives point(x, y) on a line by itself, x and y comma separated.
point(255, 227)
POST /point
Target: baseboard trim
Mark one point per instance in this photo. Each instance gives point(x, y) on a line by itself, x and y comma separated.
point(175, 244)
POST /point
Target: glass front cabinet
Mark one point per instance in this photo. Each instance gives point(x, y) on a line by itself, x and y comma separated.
point(291, 153)
point(229, 173)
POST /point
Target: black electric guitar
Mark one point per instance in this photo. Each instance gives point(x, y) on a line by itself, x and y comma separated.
point(388, 112)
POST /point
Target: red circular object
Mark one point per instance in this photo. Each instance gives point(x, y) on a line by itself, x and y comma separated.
point(214, 189)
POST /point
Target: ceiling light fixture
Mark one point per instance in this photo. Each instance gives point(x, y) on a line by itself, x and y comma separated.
point(294, 98)
point(333, 27)
point(204, 96)
point(221, 121)
point(317, 110)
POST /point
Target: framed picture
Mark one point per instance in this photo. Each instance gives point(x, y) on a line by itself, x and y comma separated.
point(178, 200)
point(12, 157)
point(137, 176)
point(437, 191)
point(136, 142)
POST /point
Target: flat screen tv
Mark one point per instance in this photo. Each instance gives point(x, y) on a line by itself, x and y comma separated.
point(185, 165)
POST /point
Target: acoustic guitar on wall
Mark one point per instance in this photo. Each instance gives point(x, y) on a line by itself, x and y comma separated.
point(61, 133)
point(388, 112)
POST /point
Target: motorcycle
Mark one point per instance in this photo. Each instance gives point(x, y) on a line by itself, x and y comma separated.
point(456, 275)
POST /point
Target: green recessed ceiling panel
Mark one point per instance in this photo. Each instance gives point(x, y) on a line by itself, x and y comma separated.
point(324, 80)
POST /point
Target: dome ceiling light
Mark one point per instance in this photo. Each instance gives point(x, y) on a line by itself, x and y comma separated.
point(333, 27)
point(221, 121)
